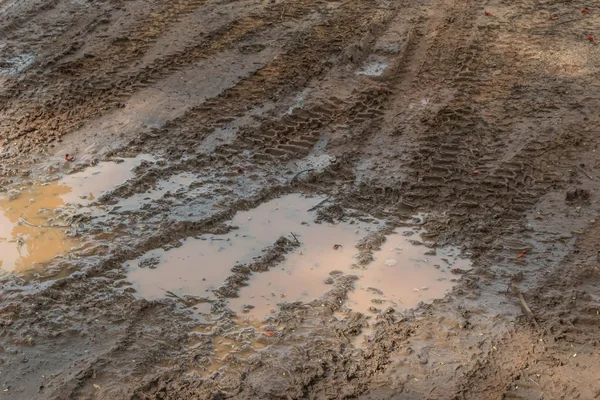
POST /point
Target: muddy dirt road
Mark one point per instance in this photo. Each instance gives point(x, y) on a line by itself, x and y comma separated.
point(304, 199)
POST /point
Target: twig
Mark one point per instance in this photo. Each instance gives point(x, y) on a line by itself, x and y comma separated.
point(549, 149)
point(525, 306)
point(569, 20)
point(296, 176)
point(169, 293)
point(319, 205)
point(24, 221)
point(583, 172)
point(297, 241)
point(406, 203)
point(531, 379)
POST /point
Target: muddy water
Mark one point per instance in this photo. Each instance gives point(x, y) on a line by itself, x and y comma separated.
point(93, 181)
point(200, 265)
point(302, 276)
point(29, 233)
point(27, 237)
point(404, 274)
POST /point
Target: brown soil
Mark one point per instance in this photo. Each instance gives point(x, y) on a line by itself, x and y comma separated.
point(480, 116)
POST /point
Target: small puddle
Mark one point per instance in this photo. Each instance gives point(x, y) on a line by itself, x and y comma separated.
point(27, 237)
point(200, 265)
point(30, 235)
point(225, 348)
point(93, 181)
point(373, 68)
point(403, 275)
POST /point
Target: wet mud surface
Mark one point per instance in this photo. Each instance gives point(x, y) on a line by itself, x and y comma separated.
point(299, 200)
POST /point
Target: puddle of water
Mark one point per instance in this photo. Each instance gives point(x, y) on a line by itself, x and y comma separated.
point(201, 265)
point(29, 236)
point(373, 68)
point(402, 275)
point(92, 182)
point(26, 240)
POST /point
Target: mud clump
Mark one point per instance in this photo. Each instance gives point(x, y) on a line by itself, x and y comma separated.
point(578, 196)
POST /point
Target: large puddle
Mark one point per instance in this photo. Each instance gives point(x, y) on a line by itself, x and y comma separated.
point(202, 264)
point(30, 233)
point(404, 272)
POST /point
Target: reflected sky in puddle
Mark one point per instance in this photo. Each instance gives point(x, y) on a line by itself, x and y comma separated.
point(302, 276)
point(201, 265)
point(402, 275)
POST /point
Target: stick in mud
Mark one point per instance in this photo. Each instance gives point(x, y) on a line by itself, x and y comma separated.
point(525, 306)
point(319, 205)
point(24, 221)
point(297, 241)
point(298, 174)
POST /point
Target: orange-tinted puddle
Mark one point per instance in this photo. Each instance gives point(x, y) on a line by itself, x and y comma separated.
point(402, 275)
point(30, 234)
point(201, 265)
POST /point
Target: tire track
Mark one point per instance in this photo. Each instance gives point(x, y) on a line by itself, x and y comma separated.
point(85, 98)
point(279, 78)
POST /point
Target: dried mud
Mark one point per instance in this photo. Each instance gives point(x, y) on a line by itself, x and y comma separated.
point(463, 125)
